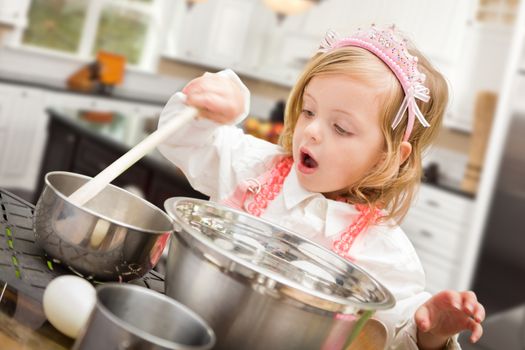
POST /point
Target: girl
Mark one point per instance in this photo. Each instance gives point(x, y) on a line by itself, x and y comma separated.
point(356, 124)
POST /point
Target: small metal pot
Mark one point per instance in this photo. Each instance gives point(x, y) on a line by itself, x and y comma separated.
point(115, 236)
point(260, 286)
point(132, 317)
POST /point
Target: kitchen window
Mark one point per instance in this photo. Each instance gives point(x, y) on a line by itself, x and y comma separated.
point(83, 27)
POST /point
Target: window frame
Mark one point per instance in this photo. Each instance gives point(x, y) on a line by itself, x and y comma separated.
point(154, 12)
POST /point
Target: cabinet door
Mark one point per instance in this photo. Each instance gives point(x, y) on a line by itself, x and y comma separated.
point(229, 29)
point(6, 106)
point(190, 30)
point(24, 136)
point(437, 225)
point(7, 96)
point(214, 33)
point(14, 12)
point(59, 151)
point(92, 157)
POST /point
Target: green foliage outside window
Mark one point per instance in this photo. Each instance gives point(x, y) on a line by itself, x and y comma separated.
point(58, 25)
point(122, 32)
point(55, 24)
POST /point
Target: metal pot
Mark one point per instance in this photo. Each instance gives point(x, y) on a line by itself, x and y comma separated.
point(115, 236)
point(132, 317)
point(260, 286)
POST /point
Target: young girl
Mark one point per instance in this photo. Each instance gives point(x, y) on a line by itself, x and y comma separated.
point(356, 124)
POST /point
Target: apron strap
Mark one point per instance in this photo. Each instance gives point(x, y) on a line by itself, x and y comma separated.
point(263, 188)
point(267, 186)
point(367, 216)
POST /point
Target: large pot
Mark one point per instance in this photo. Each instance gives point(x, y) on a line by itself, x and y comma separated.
point(260, 286)
point(115, 236)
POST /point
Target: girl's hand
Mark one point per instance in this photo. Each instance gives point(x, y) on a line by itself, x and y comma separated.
point(448, 313)
point(217, 97)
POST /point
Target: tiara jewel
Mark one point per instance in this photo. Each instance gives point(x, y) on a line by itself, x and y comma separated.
point(392, 50)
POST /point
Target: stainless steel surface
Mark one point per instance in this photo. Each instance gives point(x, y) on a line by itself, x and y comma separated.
point(261, 286)
point(132, 317)
point(504, 232)
point(501, 258)
point(116, 236)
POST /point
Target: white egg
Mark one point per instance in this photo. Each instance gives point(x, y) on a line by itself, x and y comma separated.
point(68, 302)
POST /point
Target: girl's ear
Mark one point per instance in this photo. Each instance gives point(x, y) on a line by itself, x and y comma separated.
point(405, 149)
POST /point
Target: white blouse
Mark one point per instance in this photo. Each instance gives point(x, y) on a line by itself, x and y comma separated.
point(216, 158)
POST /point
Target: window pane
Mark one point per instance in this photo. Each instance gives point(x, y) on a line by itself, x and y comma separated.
point(122, 31)
point(55, 24)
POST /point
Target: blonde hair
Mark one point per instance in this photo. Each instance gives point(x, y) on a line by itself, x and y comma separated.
point(388, 185)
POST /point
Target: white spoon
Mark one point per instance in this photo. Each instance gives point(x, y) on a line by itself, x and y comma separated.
point(91, 188)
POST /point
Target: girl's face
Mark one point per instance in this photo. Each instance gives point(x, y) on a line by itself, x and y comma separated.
point(337, 139)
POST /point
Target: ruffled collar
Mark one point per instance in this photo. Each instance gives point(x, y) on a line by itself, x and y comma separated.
point(335, 215)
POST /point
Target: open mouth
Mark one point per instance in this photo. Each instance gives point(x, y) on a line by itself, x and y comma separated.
point(308, 161)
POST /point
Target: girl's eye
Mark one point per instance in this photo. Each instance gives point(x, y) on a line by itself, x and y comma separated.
point(307, 113)
point(340, 130)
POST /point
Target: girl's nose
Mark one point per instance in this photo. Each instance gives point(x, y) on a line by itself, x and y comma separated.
point(313, 130)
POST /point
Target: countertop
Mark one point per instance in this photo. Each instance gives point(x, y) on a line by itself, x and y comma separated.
point(504, 330)
point(152, 100)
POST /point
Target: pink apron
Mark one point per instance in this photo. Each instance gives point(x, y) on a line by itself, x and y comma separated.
point(253, 196)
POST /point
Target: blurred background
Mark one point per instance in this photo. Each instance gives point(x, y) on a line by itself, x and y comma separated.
point(83, 81)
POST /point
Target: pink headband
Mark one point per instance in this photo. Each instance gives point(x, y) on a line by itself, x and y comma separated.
point(394, 54)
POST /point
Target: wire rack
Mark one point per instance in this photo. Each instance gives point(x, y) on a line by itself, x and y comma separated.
point(23, 264)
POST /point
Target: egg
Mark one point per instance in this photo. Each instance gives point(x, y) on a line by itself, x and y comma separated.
point(68, 301)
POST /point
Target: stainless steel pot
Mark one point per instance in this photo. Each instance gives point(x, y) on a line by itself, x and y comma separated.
point(132, 317)
point(116, 236)
point(260, 286)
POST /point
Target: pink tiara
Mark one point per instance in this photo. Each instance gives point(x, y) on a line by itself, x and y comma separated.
point(394, 53)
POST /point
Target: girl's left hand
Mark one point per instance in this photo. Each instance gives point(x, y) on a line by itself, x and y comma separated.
point(448, 313)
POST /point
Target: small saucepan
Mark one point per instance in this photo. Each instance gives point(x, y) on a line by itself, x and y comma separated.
point(117, 236)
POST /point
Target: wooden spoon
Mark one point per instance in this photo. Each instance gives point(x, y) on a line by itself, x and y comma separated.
point(91, 188)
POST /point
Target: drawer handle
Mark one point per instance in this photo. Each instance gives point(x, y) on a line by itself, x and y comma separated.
point(433, 203)
point(426, 234)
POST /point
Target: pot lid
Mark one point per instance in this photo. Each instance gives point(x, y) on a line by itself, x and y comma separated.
point(274, 260)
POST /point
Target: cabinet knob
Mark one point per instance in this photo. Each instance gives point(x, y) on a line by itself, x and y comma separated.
point(433, 203)
point(426, 234)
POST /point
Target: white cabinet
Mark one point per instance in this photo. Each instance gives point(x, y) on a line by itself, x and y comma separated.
point(479, 69)
point(13, 12)
point(437, 27)
point(438, 227)
point(246, 35)
point(22, 135)
point(213, 33)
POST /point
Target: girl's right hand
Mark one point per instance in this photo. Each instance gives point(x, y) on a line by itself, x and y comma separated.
point(216, 96)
